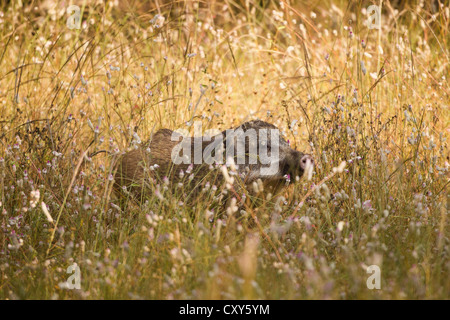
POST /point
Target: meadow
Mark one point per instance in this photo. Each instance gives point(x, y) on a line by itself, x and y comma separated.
point(338, 89)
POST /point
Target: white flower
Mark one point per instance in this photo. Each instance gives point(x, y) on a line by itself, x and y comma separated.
point(35, 195)
point(341, 167)
point(47, 214)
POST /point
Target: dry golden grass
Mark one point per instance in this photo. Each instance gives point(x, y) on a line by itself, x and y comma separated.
point(337, 89)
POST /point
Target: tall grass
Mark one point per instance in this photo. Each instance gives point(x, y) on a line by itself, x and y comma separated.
point(377, 99)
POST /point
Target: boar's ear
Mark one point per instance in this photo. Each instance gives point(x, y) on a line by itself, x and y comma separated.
point(161, 134)
point(166, 132)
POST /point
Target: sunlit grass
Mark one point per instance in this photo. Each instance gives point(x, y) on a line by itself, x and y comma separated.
point(336, 89)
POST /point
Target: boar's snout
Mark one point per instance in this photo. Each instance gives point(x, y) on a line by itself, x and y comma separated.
point(304, 160)
point(295, 163)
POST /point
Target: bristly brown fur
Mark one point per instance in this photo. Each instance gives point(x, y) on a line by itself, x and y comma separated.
point(142, 171)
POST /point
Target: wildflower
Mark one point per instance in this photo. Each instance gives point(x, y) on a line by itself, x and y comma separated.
point(367, 205)
point(136, 138)
point(229, 180)
point(255, 187)
point(158, 194)
point(47, 214)
point(232, 208)
point(363, 68)
point(340, 168)
point(35, 195)
point(231, 164)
